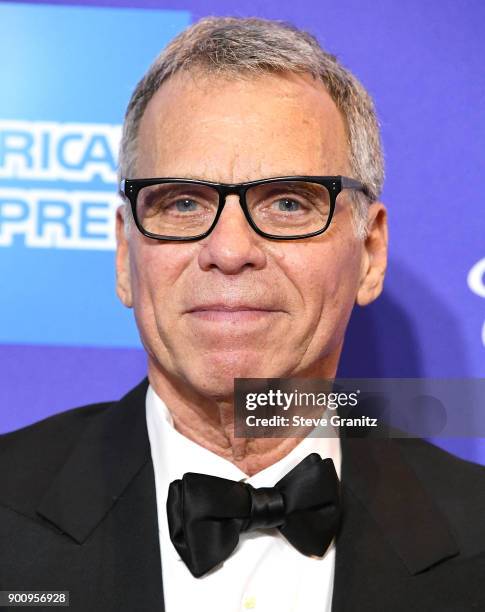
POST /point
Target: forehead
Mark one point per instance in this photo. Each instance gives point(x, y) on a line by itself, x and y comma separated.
point(238, 129)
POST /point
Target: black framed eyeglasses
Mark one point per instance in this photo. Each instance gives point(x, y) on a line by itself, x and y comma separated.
point(281, 208)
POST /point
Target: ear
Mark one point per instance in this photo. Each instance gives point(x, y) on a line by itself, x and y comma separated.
point(123, 278)
point(374, 258)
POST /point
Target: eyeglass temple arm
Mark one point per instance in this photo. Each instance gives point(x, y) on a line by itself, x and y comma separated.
point(350, 183)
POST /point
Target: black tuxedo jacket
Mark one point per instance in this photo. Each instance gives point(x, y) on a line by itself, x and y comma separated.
point(78, 513)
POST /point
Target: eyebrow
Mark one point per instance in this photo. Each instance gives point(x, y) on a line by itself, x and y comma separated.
point(193, 177)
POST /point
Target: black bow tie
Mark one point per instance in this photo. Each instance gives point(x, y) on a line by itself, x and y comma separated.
point(206, 514)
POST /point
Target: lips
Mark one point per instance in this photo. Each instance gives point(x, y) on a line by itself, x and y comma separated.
point(223, 307)
point(232, 313)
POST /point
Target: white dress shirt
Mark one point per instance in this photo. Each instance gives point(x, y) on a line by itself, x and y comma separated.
point(265, 573)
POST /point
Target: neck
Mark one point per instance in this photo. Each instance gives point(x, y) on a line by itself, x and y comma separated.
point(209, 422)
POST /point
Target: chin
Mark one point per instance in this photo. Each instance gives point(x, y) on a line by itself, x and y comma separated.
point(215, 376)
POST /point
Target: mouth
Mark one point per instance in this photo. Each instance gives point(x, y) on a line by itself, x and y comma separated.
point(236, 313)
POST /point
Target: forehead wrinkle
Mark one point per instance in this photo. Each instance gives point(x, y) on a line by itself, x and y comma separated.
point(241, 169)
point(259, 174)
point(230, 175)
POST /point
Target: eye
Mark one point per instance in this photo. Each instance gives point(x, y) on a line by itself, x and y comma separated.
point(287, 205)
point(185, 205)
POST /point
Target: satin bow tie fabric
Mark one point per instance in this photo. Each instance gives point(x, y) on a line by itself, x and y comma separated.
point(206, 514)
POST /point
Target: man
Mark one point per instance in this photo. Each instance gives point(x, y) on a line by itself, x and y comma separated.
point(231, 275)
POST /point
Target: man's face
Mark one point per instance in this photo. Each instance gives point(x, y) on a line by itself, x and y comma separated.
point(236, 304)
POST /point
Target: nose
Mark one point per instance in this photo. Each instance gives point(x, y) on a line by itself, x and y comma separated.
point(233, 245)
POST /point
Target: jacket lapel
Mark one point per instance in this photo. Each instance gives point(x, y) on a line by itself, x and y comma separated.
point(391, 528)
point(104, 497)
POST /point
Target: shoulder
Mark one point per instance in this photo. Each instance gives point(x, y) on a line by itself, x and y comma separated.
point(441, 470)
point(30, 457)
point(49, 439)
point(50, 434)
point(456, 485)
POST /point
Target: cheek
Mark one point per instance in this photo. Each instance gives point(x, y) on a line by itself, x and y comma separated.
point(155, 270)
point(320, 271)
point(340, 284)
point(325, 274)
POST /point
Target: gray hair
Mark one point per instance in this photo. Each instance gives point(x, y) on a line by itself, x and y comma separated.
point(235, 47)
